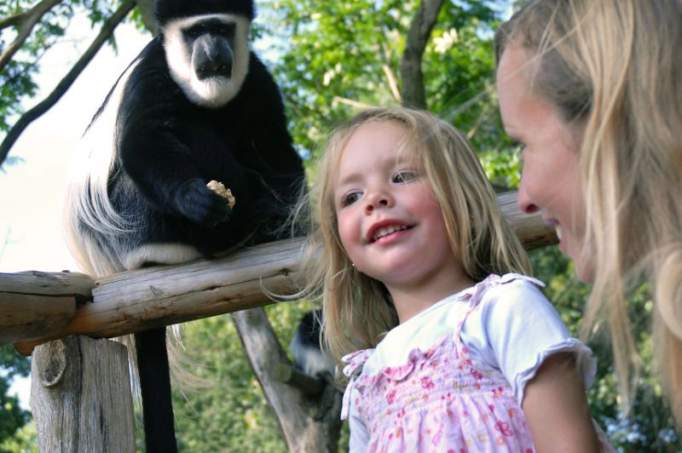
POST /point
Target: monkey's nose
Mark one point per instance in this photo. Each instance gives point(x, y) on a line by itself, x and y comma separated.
point(212, 58)
point(219, 67)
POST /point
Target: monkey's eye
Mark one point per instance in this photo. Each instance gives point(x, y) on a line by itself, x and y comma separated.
point(404, 176)
point(195, 31)
point(226, 30)
point(350, 198)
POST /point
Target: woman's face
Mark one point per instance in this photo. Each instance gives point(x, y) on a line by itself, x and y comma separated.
point(550, 181)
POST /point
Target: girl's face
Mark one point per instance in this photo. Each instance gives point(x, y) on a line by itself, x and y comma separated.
point(389, 221)
point(550, 181)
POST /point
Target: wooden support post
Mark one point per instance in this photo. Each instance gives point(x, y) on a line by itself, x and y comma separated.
point(81, 398)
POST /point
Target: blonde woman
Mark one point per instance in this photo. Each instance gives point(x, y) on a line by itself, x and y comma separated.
point(446, 346)
point(592, 90)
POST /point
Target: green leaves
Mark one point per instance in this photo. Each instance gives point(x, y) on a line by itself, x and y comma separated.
point(12, 416)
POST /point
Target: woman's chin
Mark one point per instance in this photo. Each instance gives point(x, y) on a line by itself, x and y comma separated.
point(582, 262)
point(584, 271)
point(584, 267)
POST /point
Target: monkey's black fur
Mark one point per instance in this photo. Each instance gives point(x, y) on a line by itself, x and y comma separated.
point(154, 206)
point(306, 347)
point(170, 148)
point(177, 9)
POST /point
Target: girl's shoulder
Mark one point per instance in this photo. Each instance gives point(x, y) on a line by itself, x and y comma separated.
point(511, 280)
point(489, 299)
point(510, 290)
point(501, 298)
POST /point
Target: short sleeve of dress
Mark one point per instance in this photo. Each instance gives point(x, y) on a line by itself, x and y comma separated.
point(515, 328)
point(359, 436)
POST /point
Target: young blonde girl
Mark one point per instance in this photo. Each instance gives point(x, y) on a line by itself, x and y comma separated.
point(446, 345)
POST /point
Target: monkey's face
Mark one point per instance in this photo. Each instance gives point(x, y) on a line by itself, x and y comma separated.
point(208, 56)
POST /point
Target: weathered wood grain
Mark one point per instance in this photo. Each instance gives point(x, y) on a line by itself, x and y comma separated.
point(80, 396)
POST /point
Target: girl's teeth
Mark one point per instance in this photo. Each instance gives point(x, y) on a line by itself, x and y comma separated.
point(386, 231)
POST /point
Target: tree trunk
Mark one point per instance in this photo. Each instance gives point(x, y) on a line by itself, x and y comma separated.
point(413, 93)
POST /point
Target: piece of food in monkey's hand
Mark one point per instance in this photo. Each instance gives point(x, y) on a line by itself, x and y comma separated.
point(220, 189)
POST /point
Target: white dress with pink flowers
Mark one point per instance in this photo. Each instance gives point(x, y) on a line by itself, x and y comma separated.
point(451, 379)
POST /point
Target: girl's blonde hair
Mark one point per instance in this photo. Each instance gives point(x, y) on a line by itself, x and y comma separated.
point(615, 66)
point(357, 309)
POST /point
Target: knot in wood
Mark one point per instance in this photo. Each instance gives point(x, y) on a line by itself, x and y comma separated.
point(52, 362)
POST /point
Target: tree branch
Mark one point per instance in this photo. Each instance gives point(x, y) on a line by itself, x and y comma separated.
point(146, 8)
point(34, 113)
point(413, 93)
point(12, 21)
point(25, 23)
point(392, 82)
point(305, 429)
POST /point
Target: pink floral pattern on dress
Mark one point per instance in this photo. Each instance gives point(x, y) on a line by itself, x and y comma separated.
point(440, 400)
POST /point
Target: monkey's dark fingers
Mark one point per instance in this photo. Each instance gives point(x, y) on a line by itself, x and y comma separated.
point(200, 204)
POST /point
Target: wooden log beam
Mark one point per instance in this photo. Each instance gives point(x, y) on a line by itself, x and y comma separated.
point(38, 304)
point(157, 296)
point(137, 300)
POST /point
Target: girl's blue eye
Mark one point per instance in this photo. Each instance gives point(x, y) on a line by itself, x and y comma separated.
point(404, 176)
point(350, 198)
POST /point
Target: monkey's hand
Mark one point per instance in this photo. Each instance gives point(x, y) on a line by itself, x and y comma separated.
point(200, 204)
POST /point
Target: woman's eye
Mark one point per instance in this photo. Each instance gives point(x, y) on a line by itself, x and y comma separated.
point(518, 146)
point(350, 198)
point(403, 176)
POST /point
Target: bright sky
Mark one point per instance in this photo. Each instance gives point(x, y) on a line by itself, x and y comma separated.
point(32, 192)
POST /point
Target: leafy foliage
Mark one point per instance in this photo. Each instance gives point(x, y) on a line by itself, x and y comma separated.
point(230, 412)
point(337, 56)
point(12, 416)
point(24, 441)
point(17, 79)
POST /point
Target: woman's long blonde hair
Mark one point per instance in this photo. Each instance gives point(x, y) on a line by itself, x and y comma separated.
point(615, 66)
point(357, 309)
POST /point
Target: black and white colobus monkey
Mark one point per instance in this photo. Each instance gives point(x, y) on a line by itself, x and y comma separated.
point(196, 105)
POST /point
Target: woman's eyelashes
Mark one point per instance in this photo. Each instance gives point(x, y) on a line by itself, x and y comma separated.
point(518, 148)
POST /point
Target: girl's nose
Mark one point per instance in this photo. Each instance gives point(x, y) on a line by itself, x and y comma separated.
point(378, 200)
point(524, 200)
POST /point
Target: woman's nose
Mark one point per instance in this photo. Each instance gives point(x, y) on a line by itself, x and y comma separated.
point(524, 200)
